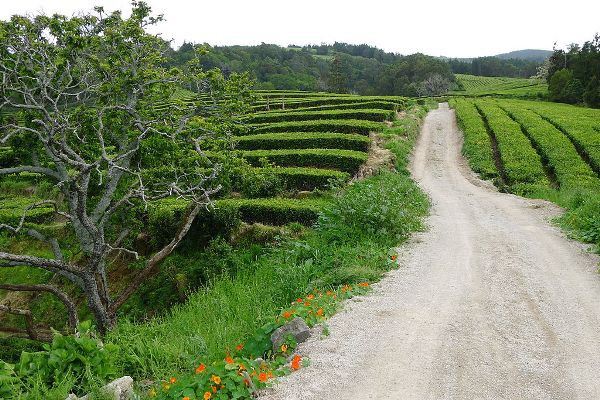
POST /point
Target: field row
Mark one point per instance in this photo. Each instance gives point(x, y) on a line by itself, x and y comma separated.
point(529, 146)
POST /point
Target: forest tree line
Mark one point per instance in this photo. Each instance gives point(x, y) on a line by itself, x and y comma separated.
point(574, 74)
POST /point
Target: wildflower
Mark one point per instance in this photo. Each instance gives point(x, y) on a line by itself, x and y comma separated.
point(299, 300)
point(262, 377)
point(172, 380)
point(329, 293)
point(320, 312)
point(287, 314)
point(242, 367)
point(284, 348)
point(310, 296)
point(207, 395)
point(296, 362)
point(200, 368)
point(214, 389)
point(394, 257)
point(216, 379)
point(239, 347)
point(270, 374)
point(166, 386)
point(186, 398)
point(364, 284)
point(307, 303)
point(229, 360)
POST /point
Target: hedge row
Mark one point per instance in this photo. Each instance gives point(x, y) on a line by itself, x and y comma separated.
point(303, 140)
point(581, 133)
point(570, 170)
point(477, 145)
point(367, 115)
point(363, 105)
point(164, 216)
point(308, 178)
point(338, 126)
point(343, 160)
point(520, 161)
point(279, 104)
point(276, 211)
point(12, 208)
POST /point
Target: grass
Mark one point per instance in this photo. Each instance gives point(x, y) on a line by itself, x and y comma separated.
point(245, 294)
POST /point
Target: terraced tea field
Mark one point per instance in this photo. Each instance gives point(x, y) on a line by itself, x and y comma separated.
point(304, 141)
point(501, 86)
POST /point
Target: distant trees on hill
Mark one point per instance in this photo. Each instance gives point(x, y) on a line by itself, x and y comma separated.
point(494, 66)
point(339, 67)
point(574, 74)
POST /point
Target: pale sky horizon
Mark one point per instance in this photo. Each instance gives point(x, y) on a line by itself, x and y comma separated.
point(462, 28)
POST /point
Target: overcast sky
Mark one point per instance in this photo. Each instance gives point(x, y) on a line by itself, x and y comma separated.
point(457, 28)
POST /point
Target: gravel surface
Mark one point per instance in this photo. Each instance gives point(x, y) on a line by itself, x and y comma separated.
point(492, 302)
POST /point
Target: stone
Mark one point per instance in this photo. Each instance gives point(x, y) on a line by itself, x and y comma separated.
point(119, 389)
point(297, 328)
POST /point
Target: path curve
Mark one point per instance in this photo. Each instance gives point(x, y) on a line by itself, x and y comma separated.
point(492, 302)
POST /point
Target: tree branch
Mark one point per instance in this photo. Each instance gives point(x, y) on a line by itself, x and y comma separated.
point(62, 296)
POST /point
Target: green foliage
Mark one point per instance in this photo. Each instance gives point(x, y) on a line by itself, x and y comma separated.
point(310, 178)
point(477, 146)
point(501, 86)
point(303, 140)
point(375, 207)
point(340, 126)
point(565, 88)
point(83, 360)
point(261, 182)
point(276, 211)
point(573, 73)
point(344, 160)
point(520, 162)
point(360, 114)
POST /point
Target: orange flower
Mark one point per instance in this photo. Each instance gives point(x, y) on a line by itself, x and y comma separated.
point(394, 257)
point(216, 379)
point(329, 293)
point(299, 300)
point(242, 367)
point(229, 360)
point(307, 303)
point(200, 368)
point(239, 347)
point(186, 398)
point(172, 380)
point(262, 377)
point(207, 395)
point(214, 389)
point(296, 362)
point(287, 314)
point(284, 348)
point(364, 284)
point(320, 312)
point(310, 296)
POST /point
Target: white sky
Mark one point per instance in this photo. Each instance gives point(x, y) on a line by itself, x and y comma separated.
point(455, 28)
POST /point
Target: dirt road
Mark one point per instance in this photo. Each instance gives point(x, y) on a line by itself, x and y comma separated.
point(492, 302)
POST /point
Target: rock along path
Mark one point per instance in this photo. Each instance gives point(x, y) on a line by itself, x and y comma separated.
point(492, 302)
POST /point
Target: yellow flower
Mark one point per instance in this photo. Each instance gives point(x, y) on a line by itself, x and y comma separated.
point(207, 395)
point(284, 348)
point(216, 379)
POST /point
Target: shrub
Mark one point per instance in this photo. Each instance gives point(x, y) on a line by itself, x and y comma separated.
point(361, 114)
point(82, 357)
point(261, 182)
point(277, 211)
point(344, 160)
point(309, 178)
point(388, 204)
point(340, 126)
point(303, 140)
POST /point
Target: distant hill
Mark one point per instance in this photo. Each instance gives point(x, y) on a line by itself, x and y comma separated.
point(527, 54)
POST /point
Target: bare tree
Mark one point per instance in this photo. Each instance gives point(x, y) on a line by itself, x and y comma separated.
point(434, 85)
point(90, 95)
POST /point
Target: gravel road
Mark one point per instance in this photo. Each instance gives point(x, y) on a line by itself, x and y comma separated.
point(492, 302)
